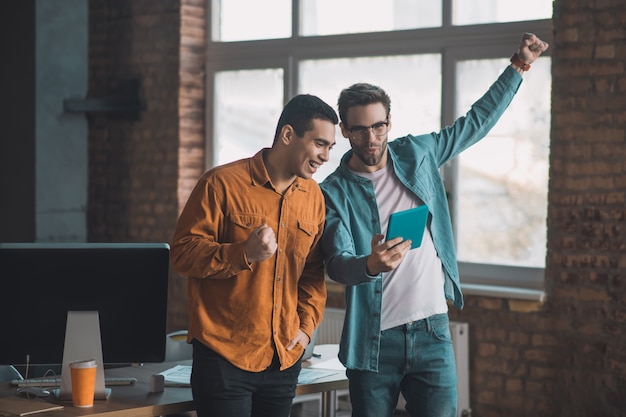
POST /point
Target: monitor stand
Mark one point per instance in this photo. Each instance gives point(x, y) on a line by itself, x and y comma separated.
point(82, 341)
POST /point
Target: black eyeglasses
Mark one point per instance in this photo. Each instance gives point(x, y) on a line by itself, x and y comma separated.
point(363, 132)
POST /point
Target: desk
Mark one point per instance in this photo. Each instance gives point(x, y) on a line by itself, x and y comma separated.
point(137, 401)
point(328, 386)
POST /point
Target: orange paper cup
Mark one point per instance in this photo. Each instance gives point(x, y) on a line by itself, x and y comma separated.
point(83, 375)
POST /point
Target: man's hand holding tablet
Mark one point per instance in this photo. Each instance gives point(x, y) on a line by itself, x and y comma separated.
point(409, 224)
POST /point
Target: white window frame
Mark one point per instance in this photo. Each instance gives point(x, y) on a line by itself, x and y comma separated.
point(455, 43)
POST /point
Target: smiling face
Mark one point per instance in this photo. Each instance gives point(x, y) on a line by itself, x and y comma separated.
point(369, 150)
point(309, 152)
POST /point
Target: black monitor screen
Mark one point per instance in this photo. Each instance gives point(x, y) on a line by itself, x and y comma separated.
point(126, 283)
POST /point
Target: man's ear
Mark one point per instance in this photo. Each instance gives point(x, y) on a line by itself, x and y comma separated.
point(287, 134)
point(344, 131)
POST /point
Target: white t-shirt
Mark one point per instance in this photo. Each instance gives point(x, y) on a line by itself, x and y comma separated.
point(414, 290)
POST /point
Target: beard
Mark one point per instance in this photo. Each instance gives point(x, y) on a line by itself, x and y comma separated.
point(370, 158)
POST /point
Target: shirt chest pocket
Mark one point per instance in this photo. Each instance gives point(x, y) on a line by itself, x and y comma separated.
point(241, 225)
point(303, 237)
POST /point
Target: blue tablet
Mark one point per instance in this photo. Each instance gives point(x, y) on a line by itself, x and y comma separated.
point(409, 224)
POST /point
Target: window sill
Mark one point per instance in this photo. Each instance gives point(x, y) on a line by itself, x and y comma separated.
point(500, 281)
point(500, 291)
point(336, 292)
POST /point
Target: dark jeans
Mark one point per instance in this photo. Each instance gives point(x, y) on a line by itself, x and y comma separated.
point(222, 390)
point(416, 359)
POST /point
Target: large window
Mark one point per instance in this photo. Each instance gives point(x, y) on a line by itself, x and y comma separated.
point(434, 58)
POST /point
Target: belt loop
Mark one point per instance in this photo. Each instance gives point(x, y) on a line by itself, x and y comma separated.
point(429, 325)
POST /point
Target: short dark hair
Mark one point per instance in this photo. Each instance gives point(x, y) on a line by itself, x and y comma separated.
point(300, 111)
point(361, 94)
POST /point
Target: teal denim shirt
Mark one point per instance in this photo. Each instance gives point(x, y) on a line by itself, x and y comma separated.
point(352, 217)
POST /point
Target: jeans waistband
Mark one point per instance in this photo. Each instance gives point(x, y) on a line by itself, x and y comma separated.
point(427, 323)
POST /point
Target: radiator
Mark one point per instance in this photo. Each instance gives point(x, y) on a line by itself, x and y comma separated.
point(460, 343)
point(330, 332)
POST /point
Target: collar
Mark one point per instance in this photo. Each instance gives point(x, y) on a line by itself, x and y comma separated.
point(260, 177)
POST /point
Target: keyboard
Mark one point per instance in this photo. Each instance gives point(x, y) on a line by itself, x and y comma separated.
point(55, 381)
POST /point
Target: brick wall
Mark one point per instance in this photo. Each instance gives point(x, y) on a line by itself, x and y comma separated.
point(132, 160)
point(564, 357)
point(567, 357)
point(140, 166)
point(191, 129)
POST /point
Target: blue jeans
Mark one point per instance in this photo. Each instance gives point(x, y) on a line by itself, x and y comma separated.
point(221, 389)
point(416, 359)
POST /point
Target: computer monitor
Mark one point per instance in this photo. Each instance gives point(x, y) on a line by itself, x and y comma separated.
point(126, 283)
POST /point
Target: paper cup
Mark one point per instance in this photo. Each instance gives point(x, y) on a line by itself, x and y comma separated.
point(83, 376)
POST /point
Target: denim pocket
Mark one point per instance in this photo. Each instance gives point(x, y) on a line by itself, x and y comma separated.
point(441, 328)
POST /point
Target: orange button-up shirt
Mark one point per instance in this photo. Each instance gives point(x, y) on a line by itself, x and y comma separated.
point(246, 312)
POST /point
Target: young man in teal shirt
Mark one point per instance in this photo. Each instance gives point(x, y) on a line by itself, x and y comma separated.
point(396, 336)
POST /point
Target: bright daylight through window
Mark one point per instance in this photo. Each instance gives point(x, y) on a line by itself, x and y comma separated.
point(434, 58)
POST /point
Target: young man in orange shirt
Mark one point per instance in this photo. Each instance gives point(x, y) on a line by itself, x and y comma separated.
point(247, 240)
